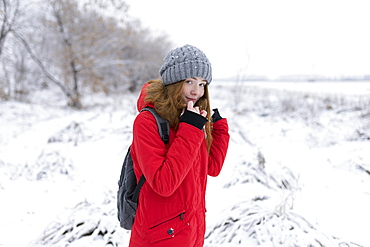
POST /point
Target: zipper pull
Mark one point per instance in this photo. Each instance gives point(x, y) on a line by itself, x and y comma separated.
point(182, 216)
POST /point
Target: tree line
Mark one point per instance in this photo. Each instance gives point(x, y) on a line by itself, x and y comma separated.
point(81, 47)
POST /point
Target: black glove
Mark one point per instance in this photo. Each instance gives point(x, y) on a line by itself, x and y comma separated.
point(216, 115)
point(194, 119)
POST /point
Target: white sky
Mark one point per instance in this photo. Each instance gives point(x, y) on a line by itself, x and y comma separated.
point(267, 37)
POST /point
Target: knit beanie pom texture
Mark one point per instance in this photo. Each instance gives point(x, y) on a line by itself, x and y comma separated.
point(185, 62)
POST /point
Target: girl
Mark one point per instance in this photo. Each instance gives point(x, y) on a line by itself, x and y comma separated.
point(171, 208)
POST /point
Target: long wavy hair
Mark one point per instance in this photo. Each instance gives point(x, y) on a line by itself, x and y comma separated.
point(169, 104)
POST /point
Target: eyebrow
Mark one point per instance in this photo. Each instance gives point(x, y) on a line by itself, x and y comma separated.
point(196, 78)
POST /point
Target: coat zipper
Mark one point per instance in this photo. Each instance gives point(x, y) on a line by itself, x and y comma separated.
point(180, 215)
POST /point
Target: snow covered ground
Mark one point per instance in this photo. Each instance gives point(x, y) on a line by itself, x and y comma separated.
point(297, 171)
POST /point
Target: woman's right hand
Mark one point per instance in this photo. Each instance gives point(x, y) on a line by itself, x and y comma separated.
point(190, 107)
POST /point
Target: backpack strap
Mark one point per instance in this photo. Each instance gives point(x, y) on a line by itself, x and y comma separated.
point(163, 125)
point(135, 194)
point(164, 132)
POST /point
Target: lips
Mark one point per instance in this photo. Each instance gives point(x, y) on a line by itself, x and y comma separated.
point(191, 99)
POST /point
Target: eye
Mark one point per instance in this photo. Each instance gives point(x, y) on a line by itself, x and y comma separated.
point(202, 84)
point(188, 82)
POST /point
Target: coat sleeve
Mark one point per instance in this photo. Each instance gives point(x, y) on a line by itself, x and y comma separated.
point(165, 169)
point(220, 143)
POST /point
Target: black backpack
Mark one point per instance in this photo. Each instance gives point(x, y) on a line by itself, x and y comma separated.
point(128, 188)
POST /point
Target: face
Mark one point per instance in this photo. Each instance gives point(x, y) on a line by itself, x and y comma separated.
point(193, 89)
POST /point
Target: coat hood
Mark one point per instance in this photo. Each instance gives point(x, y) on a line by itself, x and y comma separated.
point(141, 100)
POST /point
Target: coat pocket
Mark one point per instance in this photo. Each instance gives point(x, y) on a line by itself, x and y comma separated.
point(169, 228)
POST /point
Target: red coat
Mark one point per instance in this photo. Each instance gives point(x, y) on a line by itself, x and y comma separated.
point(171, 207)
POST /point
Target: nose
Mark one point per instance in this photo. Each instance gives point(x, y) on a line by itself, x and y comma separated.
point(194, 90)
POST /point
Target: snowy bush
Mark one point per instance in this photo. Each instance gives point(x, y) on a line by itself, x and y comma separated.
point(8, 172)
point(265, 215)
point(85, 225)
point(272, 176)
point(50, 163)
point(250, 224)
point(72, 133)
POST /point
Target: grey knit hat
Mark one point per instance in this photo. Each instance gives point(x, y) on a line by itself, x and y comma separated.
point(185, 62)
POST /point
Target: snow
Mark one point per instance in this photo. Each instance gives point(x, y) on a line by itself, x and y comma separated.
point(296, 174)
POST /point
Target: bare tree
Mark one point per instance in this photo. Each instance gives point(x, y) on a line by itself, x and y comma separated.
point(16, 71)
point(9, 11)
point(14, 66)
point(48, 74)
point(85, 48)
point(71, 44)
point(58, 10)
